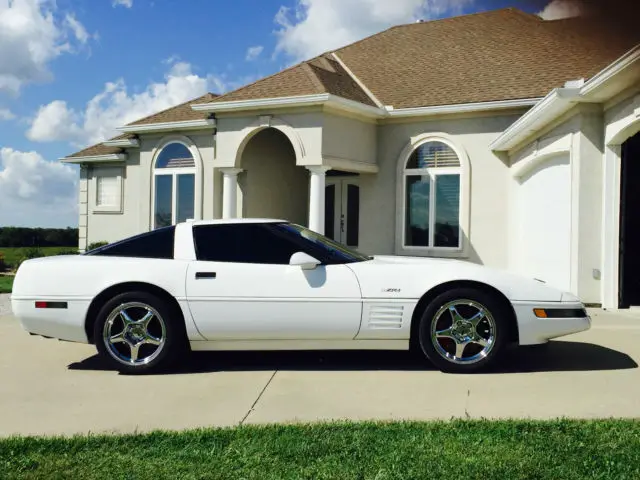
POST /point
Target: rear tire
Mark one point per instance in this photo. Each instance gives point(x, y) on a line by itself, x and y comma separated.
point(464, 330)
point(139, 333)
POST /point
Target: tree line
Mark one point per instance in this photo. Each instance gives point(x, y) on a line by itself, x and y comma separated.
point(38, 237)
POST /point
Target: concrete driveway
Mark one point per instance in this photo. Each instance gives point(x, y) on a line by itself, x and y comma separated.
point(52, 387)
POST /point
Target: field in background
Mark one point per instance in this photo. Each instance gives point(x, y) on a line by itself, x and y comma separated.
point(6, 283)
point(458, 449)
point(12, 256)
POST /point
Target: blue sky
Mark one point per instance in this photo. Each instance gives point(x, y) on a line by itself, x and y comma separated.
point(73, 70)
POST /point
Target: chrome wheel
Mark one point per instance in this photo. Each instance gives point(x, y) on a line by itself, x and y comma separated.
point(463, 332)
point(134, 334)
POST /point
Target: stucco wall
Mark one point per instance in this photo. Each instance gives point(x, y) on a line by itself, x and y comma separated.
point(272, 185)
point(137, 186)
point(304, 131)
point(576, 138)
point(345, 138)
point(488, 186)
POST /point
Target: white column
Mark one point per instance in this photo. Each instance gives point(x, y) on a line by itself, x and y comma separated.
point(316, 198)
point(230, 192)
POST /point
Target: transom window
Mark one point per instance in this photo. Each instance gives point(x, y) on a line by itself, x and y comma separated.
point(174, 185)
point(432, 197)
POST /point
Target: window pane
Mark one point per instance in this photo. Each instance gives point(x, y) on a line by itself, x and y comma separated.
point(175, 155)
point(353, 215)
point(164, 196)
point(107, 191)
point(447, 227)
point(156, 244)
point(243, 243)
point(417, 211)
point(186, 197)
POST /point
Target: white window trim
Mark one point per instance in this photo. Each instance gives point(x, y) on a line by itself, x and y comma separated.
point(465, 189)
point(118, 172)
point(197, 170)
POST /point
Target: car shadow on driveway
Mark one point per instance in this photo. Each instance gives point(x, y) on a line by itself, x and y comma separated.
point(557, 356)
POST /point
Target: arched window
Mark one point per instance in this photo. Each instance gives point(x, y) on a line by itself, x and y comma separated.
point(432, 179)
point(174, 185)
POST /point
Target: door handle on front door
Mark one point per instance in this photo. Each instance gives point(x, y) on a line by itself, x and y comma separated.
point(205, 275)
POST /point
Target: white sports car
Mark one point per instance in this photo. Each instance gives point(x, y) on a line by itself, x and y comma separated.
point(259, 284)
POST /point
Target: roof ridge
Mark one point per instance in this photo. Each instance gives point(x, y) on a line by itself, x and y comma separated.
point(174, 106)
point(299, 64)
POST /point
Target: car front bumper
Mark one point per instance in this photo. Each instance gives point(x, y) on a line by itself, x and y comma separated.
point(534, 330)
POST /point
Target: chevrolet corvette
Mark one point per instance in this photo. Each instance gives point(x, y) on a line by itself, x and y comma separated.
point(264, 284)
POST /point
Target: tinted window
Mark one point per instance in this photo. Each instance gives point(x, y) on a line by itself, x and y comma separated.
point(156, 244)
point(243, 243)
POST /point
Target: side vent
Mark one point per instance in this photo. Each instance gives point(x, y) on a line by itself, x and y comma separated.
point(385, 316)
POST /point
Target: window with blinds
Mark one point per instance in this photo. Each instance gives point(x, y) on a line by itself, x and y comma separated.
point(433, 155)
point(107, 191)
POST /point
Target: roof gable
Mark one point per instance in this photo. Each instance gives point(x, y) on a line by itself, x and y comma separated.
point(319, 75)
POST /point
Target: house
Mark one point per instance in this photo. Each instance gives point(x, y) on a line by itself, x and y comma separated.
point(497, 138)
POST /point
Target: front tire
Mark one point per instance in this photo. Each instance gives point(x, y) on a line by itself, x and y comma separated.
point(138, 333)
point(463, 330)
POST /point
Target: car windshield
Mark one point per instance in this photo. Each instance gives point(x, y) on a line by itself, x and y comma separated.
point(340, 252)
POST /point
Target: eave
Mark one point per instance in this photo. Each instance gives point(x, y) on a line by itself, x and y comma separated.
point(115, 157)
point(460, 108)
point(620, 74)
point(343, 104)
point(201, 124)
point(123, 143)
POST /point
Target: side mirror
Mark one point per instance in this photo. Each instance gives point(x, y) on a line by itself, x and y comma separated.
point(304, 261)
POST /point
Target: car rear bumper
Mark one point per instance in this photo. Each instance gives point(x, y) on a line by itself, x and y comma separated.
point(534, 330)
point(61, 323)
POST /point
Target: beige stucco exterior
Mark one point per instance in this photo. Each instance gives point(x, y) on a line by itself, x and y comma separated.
point(544, 208)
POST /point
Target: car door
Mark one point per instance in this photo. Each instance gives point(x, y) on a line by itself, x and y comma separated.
point(241, 287)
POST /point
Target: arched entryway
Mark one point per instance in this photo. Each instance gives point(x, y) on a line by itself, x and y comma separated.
point(271, 184)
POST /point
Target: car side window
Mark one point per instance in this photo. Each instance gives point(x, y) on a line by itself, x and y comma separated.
point(243, 243)
point(156, 244)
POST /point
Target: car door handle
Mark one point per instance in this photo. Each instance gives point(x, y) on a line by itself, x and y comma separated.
point(204, 275)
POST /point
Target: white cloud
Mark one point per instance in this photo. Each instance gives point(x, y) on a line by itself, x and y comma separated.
point(124, 3)
point(34, 191)
point(558, 9)
point(77, 28)
point(32, 34)
point(316, 26)
point(6, 114)
point(114, 107)
point(254, 52)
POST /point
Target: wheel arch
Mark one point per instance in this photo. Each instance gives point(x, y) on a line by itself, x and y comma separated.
point(432, 294)
point(103, 297)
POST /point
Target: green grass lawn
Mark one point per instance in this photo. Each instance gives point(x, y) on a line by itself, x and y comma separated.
point(13, 255)
point(6, 283)
point(458, 449)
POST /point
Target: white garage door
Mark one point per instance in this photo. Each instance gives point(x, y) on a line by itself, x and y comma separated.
point(543, 222)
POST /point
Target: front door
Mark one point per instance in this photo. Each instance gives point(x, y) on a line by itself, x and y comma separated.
point(629, 266)
point(342, 210)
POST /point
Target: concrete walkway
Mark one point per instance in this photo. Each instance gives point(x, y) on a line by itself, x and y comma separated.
point(51, 387)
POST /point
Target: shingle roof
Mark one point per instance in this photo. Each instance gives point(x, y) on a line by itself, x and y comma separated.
point(497, 55)
point(322, 74)
point(100, 149)
point(178, 113)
